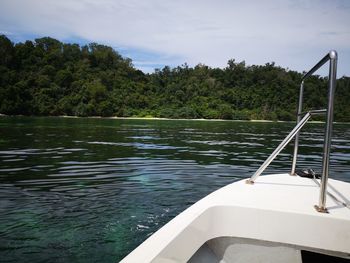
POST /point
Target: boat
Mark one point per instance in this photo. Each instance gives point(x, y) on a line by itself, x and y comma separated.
point(289, 217)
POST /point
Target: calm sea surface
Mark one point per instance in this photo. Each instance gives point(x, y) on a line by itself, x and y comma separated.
point(91, 190)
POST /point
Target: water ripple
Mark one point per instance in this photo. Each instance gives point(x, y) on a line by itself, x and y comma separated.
point(97, 192)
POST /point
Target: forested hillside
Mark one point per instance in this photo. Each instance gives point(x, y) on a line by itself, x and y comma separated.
point(47, 77)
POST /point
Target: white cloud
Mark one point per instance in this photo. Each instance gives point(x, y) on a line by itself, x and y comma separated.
point(294, 34)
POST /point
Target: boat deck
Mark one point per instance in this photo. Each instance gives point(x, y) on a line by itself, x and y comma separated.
point(276, 208)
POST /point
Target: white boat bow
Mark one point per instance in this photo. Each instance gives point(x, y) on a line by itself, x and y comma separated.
point(277, 209)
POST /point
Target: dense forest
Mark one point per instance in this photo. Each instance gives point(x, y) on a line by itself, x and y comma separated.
point(47, 77)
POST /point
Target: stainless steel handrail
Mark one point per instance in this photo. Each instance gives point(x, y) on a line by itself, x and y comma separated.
point(319, 64)
point(332, 56)
point(296, 142)
point(280, 147)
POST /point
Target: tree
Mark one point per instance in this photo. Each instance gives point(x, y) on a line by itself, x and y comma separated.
point(48, 77)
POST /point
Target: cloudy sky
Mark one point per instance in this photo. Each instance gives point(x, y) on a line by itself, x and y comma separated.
point(153, 33)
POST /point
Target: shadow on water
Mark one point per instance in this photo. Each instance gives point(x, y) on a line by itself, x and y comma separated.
point(91, 190)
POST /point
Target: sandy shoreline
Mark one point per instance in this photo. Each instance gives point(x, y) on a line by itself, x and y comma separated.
point(137, 118)
point(159, 119)
point(162, 119)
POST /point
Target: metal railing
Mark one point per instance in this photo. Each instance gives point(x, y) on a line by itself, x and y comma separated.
point(332, 57)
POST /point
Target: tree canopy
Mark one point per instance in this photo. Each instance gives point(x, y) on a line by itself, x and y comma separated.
point(48, 77)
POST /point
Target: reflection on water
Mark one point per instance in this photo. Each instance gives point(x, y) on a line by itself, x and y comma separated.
point(91, 190)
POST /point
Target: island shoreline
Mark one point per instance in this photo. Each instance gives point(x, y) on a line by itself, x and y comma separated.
point(159, 119)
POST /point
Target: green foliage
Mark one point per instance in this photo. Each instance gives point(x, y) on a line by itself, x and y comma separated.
point(47, 77)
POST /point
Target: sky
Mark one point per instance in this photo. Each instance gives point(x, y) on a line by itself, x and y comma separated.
point(153, 33)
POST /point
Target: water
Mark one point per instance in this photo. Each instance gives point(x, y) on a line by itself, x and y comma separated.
point(91, 190)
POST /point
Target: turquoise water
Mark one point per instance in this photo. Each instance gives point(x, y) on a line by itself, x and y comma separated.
point(91, 190)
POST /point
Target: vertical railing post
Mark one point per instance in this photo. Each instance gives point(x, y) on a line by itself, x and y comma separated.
point(328, 131)
point(296, 141)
